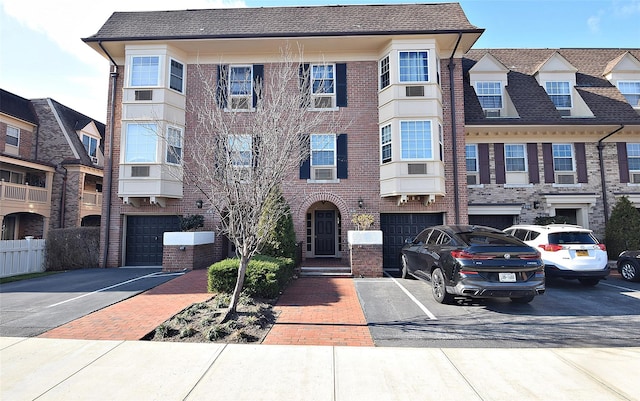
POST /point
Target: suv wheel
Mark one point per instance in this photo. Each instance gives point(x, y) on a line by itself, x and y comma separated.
point(589, 282)
point(630, 271)
point(439, 287)
point(404, 269)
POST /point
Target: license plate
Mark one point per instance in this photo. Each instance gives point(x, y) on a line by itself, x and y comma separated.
point(507, 277)
point(582, 252)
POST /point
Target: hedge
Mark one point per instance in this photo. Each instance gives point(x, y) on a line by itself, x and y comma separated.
point(266, 276)
point(72, 248)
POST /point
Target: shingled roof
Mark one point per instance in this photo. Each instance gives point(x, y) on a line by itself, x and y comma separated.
point(532, 102)
point(16, 106)
point(285, 22)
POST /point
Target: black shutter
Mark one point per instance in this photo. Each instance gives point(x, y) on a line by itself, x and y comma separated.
point(258, 75)
point(341, 153)
point(581, 162)
point(623, 162)
point(532, 160)
point(498, 149)
point(341, 85)
point(547, 161)
point(305, 165)
point(221, 86)
point(305, 88)
point(483, 163)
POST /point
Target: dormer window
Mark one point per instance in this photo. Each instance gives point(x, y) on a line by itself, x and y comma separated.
point(91, 146)
point(559, 93)
point(631, 91)
point(490, 97)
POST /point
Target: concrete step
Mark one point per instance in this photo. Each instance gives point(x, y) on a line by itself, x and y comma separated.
point(318, 271)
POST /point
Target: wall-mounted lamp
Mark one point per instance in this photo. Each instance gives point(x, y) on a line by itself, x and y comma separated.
point(536, 204)
point(199, 203)
point(360, 203)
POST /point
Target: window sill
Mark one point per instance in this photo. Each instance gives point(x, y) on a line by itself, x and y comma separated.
point(518, 185)
point(324, 109)
point(336, 181)
point(555, 185)
point(475, 186)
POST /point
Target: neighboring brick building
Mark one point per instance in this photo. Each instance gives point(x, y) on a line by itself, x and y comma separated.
point(412, 113)
point(48, 179)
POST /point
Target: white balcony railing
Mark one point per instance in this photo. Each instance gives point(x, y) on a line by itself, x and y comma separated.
point(92, 198)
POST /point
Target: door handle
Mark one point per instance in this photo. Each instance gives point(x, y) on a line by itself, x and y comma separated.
point(156, 238)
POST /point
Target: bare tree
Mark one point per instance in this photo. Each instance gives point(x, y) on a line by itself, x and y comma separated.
point(247, 144)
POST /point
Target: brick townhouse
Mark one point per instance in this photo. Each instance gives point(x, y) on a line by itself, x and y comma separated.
point(50, 167)
point(396, 73)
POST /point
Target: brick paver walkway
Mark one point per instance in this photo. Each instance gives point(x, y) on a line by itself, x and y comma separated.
point(133, 318)
point(320, 311)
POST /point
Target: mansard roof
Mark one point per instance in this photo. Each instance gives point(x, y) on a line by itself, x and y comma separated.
point(532, 102)
point(16, 106)
point(313, 21)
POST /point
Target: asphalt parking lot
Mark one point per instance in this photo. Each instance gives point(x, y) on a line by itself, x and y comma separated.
point(402, 312)
point(31, 307)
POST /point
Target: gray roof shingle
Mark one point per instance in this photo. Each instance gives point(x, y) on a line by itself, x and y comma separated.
point(285, 22)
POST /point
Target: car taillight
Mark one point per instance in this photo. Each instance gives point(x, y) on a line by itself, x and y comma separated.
point(461, 254)
point(603, 247)
point(466, 273)
point(551, 247)
point(529, 256)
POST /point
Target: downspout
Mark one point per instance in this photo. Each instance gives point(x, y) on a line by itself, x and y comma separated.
point(35, 156)
point(452, 66)
point(602, 175)
point(63, 196)
point(108, 170)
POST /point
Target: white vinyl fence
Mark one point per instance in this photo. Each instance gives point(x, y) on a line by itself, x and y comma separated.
point(21, 257)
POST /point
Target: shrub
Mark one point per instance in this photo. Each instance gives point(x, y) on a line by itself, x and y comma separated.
point(281, 241)
point(191, 222)
point(266, 276)
point(72, 248)
point(546, 220)
point(623, 228)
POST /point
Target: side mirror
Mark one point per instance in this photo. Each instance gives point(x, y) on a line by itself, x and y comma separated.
point(408, 241)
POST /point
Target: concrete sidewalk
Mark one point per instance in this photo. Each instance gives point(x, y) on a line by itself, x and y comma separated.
point(59, 369)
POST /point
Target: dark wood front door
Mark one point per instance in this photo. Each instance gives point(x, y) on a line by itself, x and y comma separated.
point(325, 230)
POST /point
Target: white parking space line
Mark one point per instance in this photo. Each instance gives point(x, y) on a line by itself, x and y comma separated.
point(630, 292)
point(114, 286)
point(414, 299)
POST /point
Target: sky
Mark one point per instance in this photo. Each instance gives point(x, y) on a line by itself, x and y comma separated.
point(42, 54)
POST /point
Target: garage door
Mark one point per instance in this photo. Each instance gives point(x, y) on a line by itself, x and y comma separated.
point(144, 238)
point(397, 227)
point(497, 221)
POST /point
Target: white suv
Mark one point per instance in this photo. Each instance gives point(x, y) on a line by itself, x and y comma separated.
point(567, 251)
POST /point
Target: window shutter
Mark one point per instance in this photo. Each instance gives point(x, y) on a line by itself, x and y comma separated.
point(221, 86)
point(581, 162)
point(341, 145)
point(498, 149)
point(305, 165)
point(305, 89)
point(483, 163)
point(532, 161)
point(255, 157)
point(623, 162)
point(547, 161)
point(341, 85)
point(258, 74)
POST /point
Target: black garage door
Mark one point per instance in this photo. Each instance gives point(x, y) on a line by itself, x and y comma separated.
point(497, 221)
point(399, 226)
point(144, 238)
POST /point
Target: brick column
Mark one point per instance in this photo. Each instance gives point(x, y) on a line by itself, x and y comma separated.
point(366, 253)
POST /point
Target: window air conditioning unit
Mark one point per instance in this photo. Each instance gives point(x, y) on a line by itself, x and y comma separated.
point(240, 103)
point(144, 94)
point(564, 112)
point(635, 178)
point(323, 102)
point(492, 113)
point(323, 174)
point(417, 168)
point(472, 179)
point(94, 159)
point(565, 179)
point(414, 91)
point(139, 171)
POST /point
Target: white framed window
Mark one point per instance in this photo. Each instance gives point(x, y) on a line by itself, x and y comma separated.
point(176, 76)
point(174, 145)
point(414, 66)
point(490, 97)
point(385, 78)
point(241, 87)
point(13, 136)
point(323, 156)
point(240, 150)
point(633, 160)
point(323, 86)
point(91, 146)
point(416, 140)
point(141, 141)
point(145, 71)
point(563, 163)
point(11, 176)
point(515, 158)
point(471, 151)
point(560, 93)
point(385, 144)
point(631, 91)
